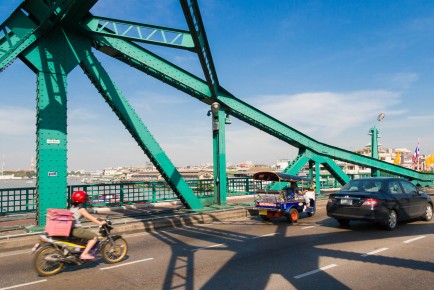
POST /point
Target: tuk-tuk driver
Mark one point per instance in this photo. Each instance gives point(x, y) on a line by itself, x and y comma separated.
point(292, 191)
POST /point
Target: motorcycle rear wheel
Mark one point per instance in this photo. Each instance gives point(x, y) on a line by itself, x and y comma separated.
point(47, 268)
point(116, 252)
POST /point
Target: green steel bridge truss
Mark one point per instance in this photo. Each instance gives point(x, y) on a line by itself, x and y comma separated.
point(52, 37)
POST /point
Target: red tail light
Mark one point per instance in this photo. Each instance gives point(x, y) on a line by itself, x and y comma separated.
point(370, 202)
point(330, 200)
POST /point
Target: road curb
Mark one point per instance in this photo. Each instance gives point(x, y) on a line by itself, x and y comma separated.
point(136, 225)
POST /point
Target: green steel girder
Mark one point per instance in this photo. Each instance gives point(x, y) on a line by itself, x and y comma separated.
point(16, 34)
point(20, 31)
point(296, 165)
point(195, 24)
point(134, 31)
point(140, 58)
point(219, 156)
point(138, 130)
point(143, 60)
point(328, 164)
point(149, 63)
point(51, 37)
point(51, 141)
point(276, 128)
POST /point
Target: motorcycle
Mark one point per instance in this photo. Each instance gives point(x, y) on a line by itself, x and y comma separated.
point(53, 253)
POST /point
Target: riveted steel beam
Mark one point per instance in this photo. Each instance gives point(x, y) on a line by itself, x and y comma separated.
point(195, 24)
point(138, 32)
point(138, 130)
point(153, 65)
point(141, 59)
point(26, 24)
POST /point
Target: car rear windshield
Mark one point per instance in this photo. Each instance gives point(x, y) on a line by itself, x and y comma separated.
point(363, 185)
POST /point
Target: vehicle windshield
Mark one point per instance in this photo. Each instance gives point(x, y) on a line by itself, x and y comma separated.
point(364, 185)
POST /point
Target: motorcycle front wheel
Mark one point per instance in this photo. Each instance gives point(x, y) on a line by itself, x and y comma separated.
point(45, 263)
point(113, 253)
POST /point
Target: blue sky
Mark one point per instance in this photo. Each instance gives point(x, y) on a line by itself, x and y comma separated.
point(325, 68)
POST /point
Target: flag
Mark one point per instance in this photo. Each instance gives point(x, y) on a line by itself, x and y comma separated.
point(416, 153)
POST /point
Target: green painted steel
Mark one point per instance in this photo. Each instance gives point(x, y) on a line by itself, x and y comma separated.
point(51, 143)
point(145, 61)
point(138, 130)
point(52, 37)
point(134, 31)
point(374, 148)
point(195, 24)
point(219, 154)
point(153, 65)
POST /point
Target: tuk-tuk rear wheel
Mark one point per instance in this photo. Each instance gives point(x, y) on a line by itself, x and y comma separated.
point(265, 218)
point(293, 215)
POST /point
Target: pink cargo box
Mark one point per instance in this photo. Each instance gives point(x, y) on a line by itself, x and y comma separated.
point(59, 222)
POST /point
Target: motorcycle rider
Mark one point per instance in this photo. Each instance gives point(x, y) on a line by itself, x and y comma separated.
point(77, 200)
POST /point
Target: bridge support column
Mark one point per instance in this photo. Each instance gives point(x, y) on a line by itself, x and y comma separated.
point(219, 153)
point(374, 149)
point(51, 160)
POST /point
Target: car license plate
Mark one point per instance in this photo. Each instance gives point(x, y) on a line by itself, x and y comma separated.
point(346, 201)
point(262, 212)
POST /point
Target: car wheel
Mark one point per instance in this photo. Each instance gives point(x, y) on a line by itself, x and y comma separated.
point(343, 222)
point(428, 212)
point(293, 215)
point(392, 221)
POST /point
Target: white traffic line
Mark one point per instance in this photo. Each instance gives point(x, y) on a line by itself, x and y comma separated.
point(375, 252)
point(212, 246)
point(315, 271)
point(125, 264)
point(263, 236)
point(415, 239)
point(22, 285)
point(309, 227)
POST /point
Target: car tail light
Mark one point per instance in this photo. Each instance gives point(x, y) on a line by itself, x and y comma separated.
point(370, 202)
point(277, 205)
point(330, 200)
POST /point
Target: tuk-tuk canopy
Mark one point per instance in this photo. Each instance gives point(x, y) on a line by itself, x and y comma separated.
point(282, 177)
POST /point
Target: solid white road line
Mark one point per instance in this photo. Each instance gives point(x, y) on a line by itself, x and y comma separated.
point(315, 271)
point(374, 252)
point(308, 227)
point(267, 235)
point(212, 246)
point(125, 264)
point(25, 284)
point(415, 239)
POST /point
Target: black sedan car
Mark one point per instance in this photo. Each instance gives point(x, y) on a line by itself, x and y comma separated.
point(379, 199)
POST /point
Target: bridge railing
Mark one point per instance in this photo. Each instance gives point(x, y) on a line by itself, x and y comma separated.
point(23, 200)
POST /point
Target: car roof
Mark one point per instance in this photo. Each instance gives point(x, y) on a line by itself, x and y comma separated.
point(272, 176)
point(377, 178)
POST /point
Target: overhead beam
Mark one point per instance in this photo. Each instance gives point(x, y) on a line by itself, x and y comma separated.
point(138, 32)
point(197, 29)
point(153, 65)
point(140, 58)
point(138, 130)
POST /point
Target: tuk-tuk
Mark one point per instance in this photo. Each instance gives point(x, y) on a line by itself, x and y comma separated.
point(279, 201)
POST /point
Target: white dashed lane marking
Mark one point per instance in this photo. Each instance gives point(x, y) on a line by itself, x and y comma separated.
point(315, 271)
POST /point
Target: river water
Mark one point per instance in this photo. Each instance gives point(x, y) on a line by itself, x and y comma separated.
point(29, 182)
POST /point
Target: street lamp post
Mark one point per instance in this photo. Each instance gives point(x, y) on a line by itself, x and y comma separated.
point(374, 144)
point(219, 152)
